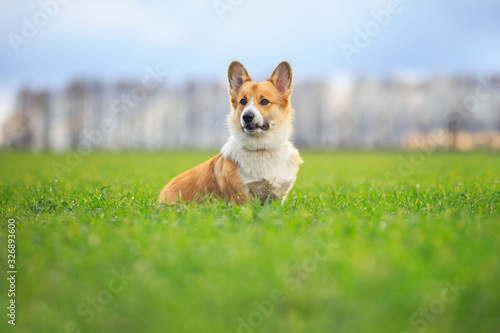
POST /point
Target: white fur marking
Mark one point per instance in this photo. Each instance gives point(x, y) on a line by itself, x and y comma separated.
point(250, 107)
point(276, 166)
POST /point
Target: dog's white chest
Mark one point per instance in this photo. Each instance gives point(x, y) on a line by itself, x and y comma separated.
point(263, 168)
point(266, 173)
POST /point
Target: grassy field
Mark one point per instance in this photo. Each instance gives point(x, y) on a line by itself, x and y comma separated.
point(366, 242)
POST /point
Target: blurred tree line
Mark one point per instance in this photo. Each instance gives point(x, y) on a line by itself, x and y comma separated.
point(363, 112)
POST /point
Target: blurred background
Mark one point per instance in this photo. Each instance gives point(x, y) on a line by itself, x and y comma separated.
point(152, 74)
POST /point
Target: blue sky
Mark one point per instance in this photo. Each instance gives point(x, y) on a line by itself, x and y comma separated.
point(115, 39)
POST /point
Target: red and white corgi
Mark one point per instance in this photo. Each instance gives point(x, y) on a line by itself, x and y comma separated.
point(259, 160)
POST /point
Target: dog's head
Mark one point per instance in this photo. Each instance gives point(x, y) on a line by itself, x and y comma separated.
point(262, 115)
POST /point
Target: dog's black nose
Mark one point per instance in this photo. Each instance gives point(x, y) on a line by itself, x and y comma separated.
point(248, 117)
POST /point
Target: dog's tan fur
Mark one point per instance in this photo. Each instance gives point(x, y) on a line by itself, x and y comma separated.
point(218, 176)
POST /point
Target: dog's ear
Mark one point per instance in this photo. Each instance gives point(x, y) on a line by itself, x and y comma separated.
point(282, 78)
point(237, 75)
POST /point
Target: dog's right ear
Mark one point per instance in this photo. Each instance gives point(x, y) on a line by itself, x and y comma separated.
point(237, 75)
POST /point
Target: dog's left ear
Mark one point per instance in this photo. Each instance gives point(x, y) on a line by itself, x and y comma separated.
point(237, 75)
point(282, 78)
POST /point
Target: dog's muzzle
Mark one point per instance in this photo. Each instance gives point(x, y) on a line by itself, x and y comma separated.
point(250, 124)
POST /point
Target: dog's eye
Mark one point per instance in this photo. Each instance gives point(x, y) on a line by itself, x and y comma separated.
point(243, 101)
point(264, 102)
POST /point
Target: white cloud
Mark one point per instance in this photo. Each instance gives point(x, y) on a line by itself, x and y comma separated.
point(120, 19)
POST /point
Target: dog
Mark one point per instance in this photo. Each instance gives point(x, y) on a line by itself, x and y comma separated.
point(259, 160)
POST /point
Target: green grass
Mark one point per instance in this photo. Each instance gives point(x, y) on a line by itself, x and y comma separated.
point(351, 250)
